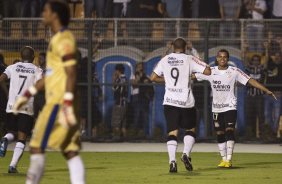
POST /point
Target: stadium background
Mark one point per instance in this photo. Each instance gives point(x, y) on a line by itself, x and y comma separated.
point(130, 41)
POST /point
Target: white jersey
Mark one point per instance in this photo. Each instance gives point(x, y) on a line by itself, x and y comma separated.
point(22, 76)
point(176, 68)
point(223, 84)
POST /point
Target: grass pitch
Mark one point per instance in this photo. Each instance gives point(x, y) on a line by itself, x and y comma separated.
point(152, 168)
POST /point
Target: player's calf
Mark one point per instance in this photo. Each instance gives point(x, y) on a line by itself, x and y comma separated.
point(230, 142)
point(76, 167)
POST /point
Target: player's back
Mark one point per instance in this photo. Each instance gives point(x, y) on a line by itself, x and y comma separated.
point(61, 44)
point(177, 69)
point(22, 75)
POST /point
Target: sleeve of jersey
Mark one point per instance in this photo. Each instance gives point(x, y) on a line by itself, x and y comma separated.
point(67, 51)
point(39, 74)
point(242, 77)
point(198, 65)
point(201, 77)
point(8, 71)
point(158, 69)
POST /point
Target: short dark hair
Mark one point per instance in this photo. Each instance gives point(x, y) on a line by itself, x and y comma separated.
point(224, 50)
point(120, 67)
point(179, 43)
point(61, 8)
point(27, 53)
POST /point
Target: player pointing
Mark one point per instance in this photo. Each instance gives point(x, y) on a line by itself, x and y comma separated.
point(223, 79)
point(56, 126)
point(175, 70)
point(22, 75)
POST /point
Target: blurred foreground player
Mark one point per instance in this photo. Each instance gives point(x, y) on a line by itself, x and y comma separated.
point(22, 75)
point(56, 126)
point(224, 105)
point(175, 70)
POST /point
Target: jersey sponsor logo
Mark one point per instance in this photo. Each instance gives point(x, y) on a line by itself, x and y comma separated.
point(174, 61)
point(219, 106)
point(220, 87)
point(23, 69)
point(175, 90)
point(176, 102)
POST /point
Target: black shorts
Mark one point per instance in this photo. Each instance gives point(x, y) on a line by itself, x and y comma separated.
point(177, 117)
point(224, 120)
point(20, 122)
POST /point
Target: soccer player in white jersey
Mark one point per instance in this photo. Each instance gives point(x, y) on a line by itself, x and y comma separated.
point(22, 75)
point(223, 80)
point(175, 70)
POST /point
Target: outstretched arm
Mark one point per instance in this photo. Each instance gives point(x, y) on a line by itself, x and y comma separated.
point(258, 85)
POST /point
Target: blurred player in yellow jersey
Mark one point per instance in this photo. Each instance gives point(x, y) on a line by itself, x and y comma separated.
point(56, 126)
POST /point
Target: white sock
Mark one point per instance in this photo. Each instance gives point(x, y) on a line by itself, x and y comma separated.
point(230, 147)
point(76, 168)
point(18, 152)
point(10, 137)
point(36, 168)
point(171, 148)
point(189, 141)
point(222, 150)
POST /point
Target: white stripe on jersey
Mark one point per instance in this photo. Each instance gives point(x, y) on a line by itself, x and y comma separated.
point(22, 76)
point(176, 68)
point(223, 83)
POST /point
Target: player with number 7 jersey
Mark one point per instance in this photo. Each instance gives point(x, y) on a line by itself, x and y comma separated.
point(223, 81)
point(175, 71)
point(22, 75)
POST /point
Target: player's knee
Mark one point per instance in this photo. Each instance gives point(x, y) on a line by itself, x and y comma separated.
point(230, 136)
point(190, 133)
point(22, 141)
point(221, 138)
point(70, 154)
point(36, 150)
point(172, 138)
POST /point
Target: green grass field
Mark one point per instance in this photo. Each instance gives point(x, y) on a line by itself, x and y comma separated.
point(152, 168)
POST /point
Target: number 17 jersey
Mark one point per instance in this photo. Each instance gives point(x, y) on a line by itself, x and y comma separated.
point(22, 76)
point(176, 68)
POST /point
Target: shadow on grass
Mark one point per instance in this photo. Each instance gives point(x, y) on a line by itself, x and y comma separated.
point(259, 163)
point(66, 169)
point(14, 175)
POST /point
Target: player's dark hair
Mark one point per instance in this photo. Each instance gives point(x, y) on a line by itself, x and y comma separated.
point(61, 8)
point(224, 50)
point(27, 54)
point(120, 67)
point(179, 43)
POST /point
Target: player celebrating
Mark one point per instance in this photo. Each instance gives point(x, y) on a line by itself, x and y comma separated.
point(175, 70)
point(22, 75)
point(223, 79)
point(56, 126)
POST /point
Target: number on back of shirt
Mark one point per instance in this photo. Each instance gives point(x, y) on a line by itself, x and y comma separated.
point(175, 75)
point(23, 78)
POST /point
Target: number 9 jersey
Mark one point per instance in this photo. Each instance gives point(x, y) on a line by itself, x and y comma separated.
point(177, 68)
point(22, 75)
